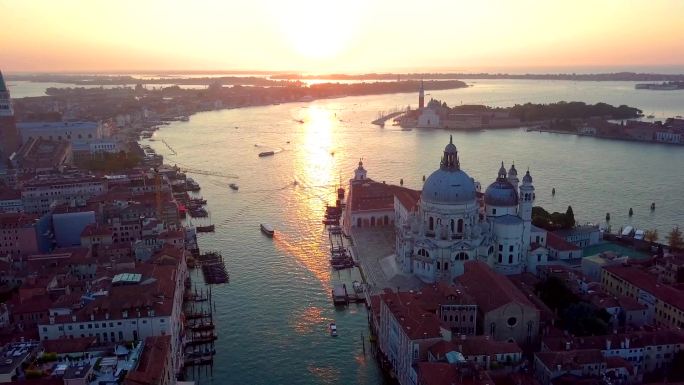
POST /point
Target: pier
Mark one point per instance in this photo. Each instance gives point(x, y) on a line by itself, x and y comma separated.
point(385, 116)
point(213, 268)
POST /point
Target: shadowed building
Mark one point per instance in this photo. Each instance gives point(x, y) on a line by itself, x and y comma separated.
point(9, 135)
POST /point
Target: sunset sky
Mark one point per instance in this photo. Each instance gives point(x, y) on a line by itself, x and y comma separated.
point(322, 36)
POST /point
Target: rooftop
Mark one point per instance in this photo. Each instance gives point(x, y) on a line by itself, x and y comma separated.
point(490, 289)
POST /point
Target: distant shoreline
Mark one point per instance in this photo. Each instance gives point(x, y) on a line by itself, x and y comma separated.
point(287, 79)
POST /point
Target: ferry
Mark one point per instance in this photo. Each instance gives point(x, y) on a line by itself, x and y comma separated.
point(333, 329)
point(266, 153)
point(233, 186)
point(267, 229)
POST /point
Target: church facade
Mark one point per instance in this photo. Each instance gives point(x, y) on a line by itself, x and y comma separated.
point(451, 222)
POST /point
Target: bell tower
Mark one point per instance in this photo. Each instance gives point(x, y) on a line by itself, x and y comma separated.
point(421, 96)
point(9, 135)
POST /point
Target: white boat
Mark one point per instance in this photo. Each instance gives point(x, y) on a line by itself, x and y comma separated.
point(333, 329)
point(639, 234)
point(627, 231)
point(267, 229)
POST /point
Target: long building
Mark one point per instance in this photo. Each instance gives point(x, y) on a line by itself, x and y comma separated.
point(42, 193)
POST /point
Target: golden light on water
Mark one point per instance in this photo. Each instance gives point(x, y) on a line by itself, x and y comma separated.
point(315, 174)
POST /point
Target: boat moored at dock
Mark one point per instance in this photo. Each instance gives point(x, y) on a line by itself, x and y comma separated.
point(266, 153)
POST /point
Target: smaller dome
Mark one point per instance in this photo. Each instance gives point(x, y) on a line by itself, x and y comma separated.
point(501, 193)
point(527, 178)
point(512, 171)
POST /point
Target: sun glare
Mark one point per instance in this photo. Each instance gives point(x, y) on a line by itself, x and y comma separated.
point(318, 29)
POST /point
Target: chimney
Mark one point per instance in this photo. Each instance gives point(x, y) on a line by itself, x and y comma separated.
point(626, 342)
point(73, 318)
point(608, 342)
point(567, 345)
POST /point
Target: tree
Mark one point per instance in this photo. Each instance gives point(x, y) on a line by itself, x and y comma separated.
point(651, 235)
point(674, 239)
point(570, 217)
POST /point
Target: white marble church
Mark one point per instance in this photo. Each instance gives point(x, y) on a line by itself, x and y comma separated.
point(451, 222)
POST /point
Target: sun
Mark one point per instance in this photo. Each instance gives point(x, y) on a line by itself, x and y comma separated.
point(319, 29)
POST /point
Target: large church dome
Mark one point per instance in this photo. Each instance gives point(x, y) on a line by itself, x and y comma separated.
point(449, 184)
point(501, 192)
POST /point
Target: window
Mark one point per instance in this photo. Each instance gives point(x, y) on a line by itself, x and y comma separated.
point(510, 248)
point(431, 224)
point(460, 225)
point(511, 321)
point(493, 211)
point(510, 258)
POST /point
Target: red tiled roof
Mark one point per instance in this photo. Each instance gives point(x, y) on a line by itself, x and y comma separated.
point(637, 339)
point(555, 242)
point(414, 320)
point(442, 373)
point(570, 359)
point(489, 289)
point(371, 195)
point(475, 346)
point(68, 345)
point(11, 220)
point(649, 283)
point(93, 229)
point(152, 362)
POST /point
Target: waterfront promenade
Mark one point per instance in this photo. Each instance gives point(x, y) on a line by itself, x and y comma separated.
point(374, 249)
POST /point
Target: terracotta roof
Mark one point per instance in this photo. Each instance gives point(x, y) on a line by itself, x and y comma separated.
point(68, 345)
point(12, 220)
point(371, 195)
point(645, 281)
point(152, 362)
point(475, 346)
point(489, 289)
point(93, 229)
point(555, 242)
point(442, 373)
point(637, 339)
point(416, 322)
point(570, 359)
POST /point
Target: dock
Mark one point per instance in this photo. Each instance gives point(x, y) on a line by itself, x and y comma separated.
point(385, 116)
point(213, 268)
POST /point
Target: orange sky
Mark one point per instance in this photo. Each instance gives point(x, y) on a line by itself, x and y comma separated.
point(338, 36)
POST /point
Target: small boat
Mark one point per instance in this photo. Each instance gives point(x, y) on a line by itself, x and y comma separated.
point(184, 118)
point(266, 153)
point(631, 212)
point(295, 183)
point(267, 229)
point(652, 206)
point(333, 329)
point(205, 229)
point(233, 186)
point(650, 116)
point(407, 129)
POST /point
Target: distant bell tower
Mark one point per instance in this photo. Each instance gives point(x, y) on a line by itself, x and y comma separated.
point(421, 96)
point(360, 172)
point(526, 203)
point(9, 135)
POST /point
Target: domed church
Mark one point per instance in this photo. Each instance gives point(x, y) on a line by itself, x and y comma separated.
point(450, 222)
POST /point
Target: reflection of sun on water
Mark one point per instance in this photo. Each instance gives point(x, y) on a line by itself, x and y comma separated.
point(314, 169)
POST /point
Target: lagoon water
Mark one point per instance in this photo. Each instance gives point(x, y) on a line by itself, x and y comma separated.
point(273, 316)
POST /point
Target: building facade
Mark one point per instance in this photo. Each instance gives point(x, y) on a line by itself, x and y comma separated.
point(9, 135)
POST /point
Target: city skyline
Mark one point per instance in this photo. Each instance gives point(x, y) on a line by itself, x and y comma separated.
point(354, 36)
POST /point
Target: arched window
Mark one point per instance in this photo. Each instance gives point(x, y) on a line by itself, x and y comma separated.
point(491, 250)
point(460, 225)
point(462, 256)
point(446, 265)
point(358, 222)
point(437, 265)
point(452, 225)
point(500, 258)
point(510, 258)
point(431, 224)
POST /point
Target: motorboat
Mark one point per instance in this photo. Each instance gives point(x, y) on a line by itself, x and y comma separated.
point(266, 153)
point(267, 229)
point(333, 329)
point(233, 186)
point(205, 229)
